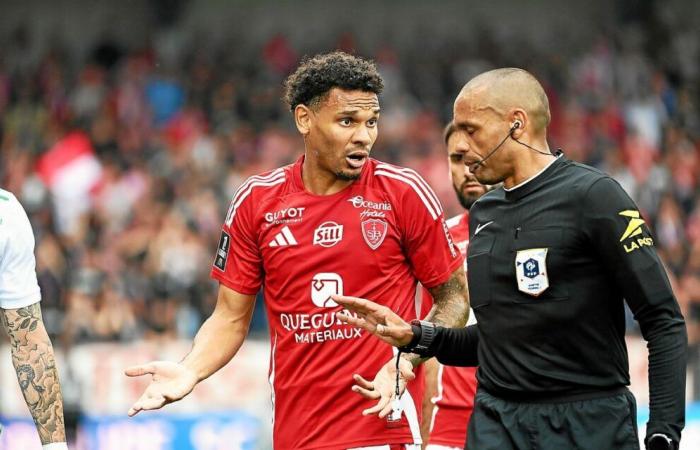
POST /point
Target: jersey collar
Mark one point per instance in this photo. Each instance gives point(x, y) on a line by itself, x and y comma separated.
point(532, 183)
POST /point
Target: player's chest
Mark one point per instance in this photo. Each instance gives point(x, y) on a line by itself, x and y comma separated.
point(354, 226)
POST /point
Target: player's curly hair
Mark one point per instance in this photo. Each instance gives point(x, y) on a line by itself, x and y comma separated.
point(316, 76)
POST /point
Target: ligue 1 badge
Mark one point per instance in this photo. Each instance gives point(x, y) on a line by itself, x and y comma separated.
point(531, 271)
point(374, 232)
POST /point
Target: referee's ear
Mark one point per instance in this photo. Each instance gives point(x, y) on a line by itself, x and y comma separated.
point(518, 123)
point(302, 119)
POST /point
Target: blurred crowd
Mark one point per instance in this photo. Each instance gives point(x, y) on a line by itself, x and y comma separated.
point(126, 160)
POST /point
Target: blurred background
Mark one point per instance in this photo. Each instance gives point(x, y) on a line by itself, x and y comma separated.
point(127, 126)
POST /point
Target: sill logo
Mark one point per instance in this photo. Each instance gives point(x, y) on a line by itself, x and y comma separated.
point(328, 234)
point(323, 285)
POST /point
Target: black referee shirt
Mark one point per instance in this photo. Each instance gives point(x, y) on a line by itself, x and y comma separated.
point(550, 264)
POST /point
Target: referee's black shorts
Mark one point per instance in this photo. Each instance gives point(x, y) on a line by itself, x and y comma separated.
point(606, 422)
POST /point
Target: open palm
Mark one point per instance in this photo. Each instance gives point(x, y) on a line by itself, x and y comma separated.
point(383, 387)
point(170, 382)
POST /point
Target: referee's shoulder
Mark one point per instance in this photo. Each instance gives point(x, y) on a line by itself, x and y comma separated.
point(581, 177)
point(493, 197)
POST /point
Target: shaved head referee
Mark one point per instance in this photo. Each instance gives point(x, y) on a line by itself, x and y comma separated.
point(553, 256)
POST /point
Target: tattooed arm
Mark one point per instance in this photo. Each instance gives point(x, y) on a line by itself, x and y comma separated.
point(34, 362)
point(450, 306)
point(451, 301)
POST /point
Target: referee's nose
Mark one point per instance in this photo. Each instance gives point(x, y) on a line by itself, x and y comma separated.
point(467, 171)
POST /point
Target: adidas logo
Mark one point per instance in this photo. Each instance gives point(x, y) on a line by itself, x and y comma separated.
point(283, 239)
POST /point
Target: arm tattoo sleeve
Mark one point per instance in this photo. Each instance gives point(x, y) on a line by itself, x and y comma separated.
point(450, 306)
point(34, 362)
point(451, 301)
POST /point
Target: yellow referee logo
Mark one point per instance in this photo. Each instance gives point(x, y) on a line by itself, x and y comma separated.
point(634, 228)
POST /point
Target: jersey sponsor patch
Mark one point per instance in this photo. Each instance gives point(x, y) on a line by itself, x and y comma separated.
point(323, 285)
point(222, 251)
point(374, 232)
point(284, 216)
point(632, 238)
point(328, 234)
point(531, 271)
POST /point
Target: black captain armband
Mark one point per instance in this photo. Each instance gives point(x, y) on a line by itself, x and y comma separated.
point(423, 336)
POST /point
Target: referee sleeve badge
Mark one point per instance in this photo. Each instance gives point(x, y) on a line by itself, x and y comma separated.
point(531, 271)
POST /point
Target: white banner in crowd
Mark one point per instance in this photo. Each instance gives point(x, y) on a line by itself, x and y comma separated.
point(94, 375)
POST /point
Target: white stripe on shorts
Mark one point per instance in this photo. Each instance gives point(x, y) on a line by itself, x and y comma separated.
point(441, 447)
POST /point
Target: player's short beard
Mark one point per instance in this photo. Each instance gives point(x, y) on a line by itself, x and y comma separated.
point(347, 176)
point(465, 200)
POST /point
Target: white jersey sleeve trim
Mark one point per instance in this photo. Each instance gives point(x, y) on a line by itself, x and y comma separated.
point(275, 178)
point(55, 446)
point(454, 221)
point(433, 212)
point(22, 302)
point(413, 175)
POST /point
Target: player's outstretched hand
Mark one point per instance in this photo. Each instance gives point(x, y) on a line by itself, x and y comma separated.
point(377, 319)
point(170, 382)
point(383, 387)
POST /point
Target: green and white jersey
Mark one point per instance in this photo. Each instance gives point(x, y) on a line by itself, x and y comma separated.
point(18, 284)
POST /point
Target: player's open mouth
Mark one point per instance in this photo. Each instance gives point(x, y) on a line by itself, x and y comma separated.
point(356, 160)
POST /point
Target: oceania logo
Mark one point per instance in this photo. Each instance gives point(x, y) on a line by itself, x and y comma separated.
point(359, 202)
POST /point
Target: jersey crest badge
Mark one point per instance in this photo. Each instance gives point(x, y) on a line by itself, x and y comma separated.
point(531, 271)
point(374, 232)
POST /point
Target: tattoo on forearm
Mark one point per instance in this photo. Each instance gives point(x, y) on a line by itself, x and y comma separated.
point(35, 365)
point(451, 308)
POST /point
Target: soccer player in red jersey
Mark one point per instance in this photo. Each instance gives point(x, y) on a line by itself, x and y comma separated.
point(449, 394)
point(334, 222)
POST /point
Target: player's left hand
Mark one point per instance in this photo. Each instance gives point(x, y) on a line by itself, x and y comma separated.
point(383, 387)
point(377, 319)
point(170, 382)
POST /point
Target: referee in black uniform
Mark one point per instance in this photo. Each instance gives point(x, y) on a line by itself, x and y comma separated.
point(553, 256)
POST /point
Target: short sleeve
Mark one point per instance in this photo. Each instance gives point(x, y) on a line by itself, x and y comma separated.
point(427, 240)
point(238, 263)
point(18, 283)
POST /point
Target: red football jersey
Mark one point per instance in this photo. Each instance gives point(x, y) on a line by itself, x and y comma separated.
point(454, 401)
point(374, 239)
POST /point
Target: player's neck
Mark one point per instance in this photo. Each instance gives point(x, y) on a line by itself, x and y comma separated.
point(320, 181)
point(527, 166)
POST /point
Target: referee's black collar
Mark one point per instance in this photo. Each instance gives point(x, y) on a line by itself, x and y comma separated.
point(539, 179)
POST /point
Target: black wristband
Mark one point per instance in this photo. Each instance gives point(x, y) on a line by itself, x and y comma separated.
point(423, 335)
point(659, 441)
point(417, 333)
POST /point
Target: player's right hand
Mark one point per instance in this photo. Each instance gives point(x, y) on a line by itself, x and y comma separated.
point(170, 382)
